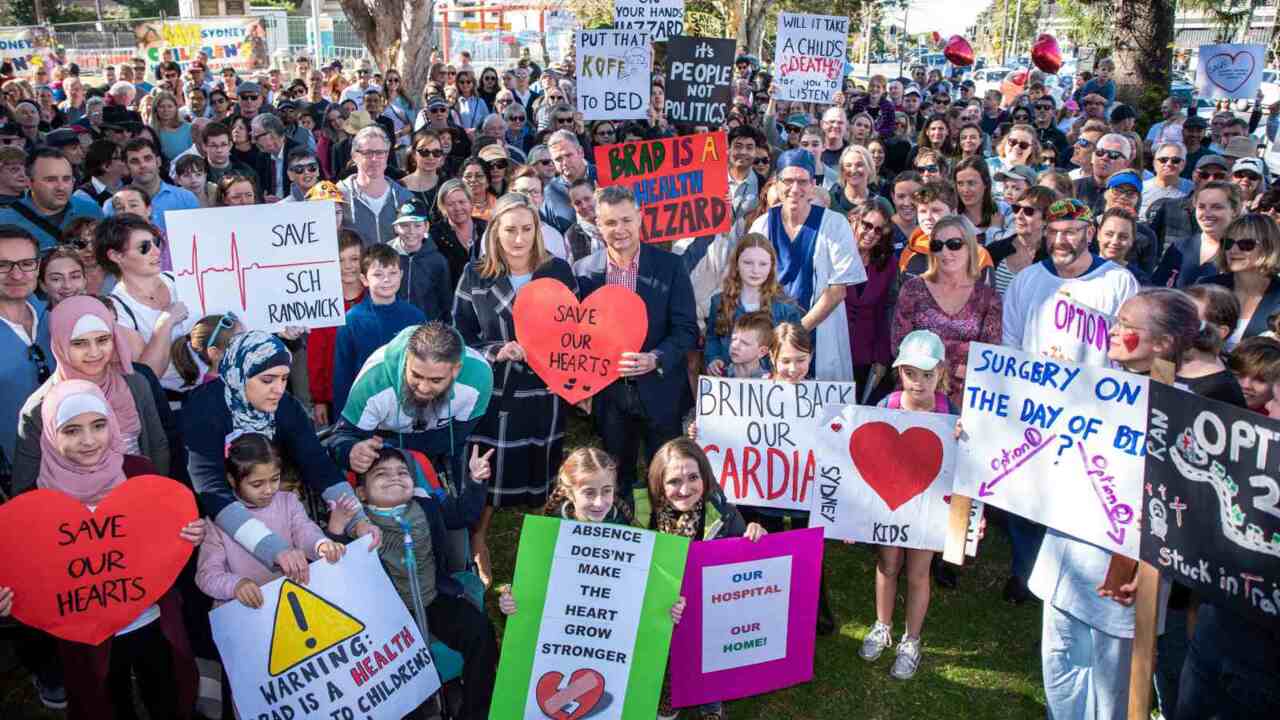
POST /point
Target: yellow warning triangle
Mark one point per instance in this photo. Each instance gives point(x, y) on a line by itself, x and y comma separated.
point(306, 625)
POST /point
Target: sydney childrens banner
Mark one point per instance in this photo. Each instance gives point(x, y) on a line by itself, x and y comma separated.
point(1212, 499)
point(884, 476)
point(680, 183)
point(811, 56)
point(699, 79)
point(341, 646)
point(660, 19)
point(749, 625)
point(1055, 442)
point(83, 575)
point(272, 269)
point(238, 42)
point(613, 71)
point(758, 436)
point(593, 621)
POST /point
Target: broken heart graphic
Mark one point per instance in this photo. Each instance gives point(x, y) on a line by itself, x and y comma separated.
point(583, 693)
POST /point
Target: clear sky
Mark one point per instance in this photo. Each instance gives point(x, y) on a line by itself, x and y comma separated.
point(948, 17)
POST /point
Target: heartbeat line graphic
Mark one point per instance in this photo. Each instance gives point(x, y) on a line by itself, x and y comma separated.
point(235, 267)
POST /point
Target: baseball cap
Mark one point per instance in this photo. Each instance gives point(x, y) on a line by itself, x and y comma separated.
point(800, 120)
point(287, 105)
point(912, 89)
point(1017, 172)
point(921, 349)
point(1123, 178)
point(493, 152)
point(1068, 209)
point(410, 212)
point(1195, 121)
point(437, 102)
point(1208, 160)
point(61, 137)
point(1241, 147)
point(10, 154)
point(249, 87)
point(1248, 164)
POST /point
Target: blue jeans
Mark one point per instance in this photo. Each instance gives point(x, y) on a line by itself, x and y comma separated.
point(1232, 669)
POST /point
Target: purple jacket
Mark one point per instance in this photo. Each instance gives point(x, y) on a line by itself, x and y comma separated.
point(883, 114)
point(869, 308)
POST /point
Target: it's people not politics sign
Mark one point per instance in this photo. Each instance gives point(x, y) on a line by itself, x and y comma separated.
point(593, 621)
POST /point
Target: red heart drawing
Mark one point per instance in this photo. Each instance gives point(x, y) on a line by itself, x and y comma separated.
point(1230, 71)
point(82, 575)
point(575, 347)
point(585, 688)
point(835, 427)
point(898, 466)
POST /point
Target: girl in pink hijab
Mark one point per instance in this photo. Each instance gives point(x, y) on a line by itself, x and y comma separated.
point(82, 455)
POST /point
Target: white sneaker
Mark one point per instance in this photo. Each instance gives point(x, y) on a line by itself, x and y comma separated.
point(877, 641)
point(908, 660)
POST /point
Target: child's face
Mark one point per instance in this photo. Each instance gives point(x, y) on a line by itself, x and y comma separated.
point(83, 439)
point(1257, 391)
point(929, 215)
point(192, 180)
point(388, 484)
point(349, 264)
point(1273, 405)
point(411, 235)
point(260, 485)
point(791, 364)
point(746, 346)
point(919, 384)
point(383, 282)
point(753, 267)
point(682, 483)
point(592, 496)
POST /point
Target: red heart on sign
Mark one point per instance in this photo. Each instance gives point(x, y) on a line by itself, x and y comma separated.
point(82, 575)
point(898, 466)
point(575, 347)
point(585, 688)
point(835, 426)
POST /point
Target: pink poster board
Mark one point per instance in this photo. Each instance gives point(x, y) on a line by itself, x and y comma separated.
point(749, 625)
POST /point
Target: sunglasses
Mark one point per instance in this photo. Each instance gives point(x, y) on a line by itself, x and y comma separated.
point(1044, 108)
point(879, 229)
point(952, 244)
point(1020, 144)
point(428, 152)
point(144, 247)
point(1108, 154)
point(226, 322)
point(1171, 160)
point(304, 167)
point(927, 168)
point(439, 110)
point(1211, 175)
point(565, 120)
point(1243, 174)
point(35, 355)
point(78, 243)
point(249, 96)
point(1243, 244)
point(1083, 143)
point(498, 164)
point(466, 81)
point(545, 162)
point(1027, 210)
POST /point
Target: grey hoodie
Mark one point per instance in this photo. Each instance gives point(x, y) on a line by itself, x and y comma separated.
point(357, 215)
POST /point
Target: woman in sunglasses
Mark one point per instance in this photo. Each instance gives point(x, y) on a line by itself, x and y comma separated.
point(1189, 259)
point(471, 108)
point(953, 298)
point(1021, 146)
point(489, 86)
point(1023, 241)
point(424, 162)
point(1248, 260)
point(219, 105)
point(868, 305)
point(79, 237)
point(477, 174)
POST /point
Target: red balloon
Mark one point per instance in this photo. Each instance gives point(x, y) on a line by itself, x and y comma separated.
point(1046, 55)
point(958, 51)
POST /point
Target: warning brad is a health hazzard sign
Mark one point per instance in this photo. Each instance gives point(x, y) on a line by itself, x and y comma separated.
point(273, 269)
point(343, 646)
point(757, 435)
point(811, 56)
point(593, 621)
point(681, 183)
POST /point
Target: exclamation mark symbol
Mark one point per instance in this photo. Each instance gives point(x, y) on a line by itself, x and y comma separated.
point(301, 618)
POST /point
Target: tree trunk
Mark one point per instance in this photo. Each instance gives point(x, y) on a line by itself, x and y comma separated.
point(1143, 53)
point(751, 27)
point(399, 34)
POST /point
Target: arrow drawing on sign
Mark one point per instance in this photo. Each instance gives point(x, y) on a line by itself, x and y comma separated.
point(984, 489)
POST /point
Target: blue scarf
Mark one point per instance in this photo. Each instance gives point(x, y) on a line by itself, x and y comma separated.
point(795, 256)
point(249, 354)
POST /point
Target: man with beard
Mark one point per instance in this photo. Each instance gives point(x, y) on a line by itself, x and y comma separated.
point(425, 391)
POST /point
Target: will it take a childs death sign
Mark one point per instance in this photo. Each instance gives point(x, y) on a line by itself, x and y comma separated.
point(811, 56)
point(593, 621)
point(680, 183)
point(1055, 442)
point(273, 269)
point(341, 646)
point(757, 435)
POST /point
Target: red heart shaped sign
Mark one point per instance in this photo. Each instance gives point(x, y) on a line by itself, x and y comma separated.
point(585, 688)
point(898, 466)
point(575, 347)
point(82, 575)
point(1046, 55)
point(958, 51)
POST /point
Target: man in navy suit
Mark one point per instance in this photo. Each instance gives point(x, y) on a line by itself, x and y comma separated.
point(653, 392)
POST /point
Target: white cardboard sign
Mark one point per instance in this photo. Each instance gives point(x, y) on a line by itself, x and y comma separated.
point(1232, 71)
point(811, 56)
point(613, 70)
point(660, 19)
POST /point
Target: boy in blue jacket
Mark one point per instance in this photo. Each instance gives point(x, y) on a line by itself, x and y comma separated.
point(373, 322)
point(426, 272)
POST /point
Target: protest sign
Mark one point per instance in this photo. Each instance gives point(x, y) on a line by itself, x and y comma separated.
point(342, 646)
point(83, 575)
point(1055, 442)
point(273, 269)
point(680, 183)
point(749, 625)
point(594, 621)
point(27, 48)
point(574, 347)
point(884, 476)
point(757, 435)
point(699, 79)
point(1074, 331)
point(661, 20)
point(613, 71)
point(1212, 501)
point(1232, 71)
point(238, 42)
point(811, 56)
